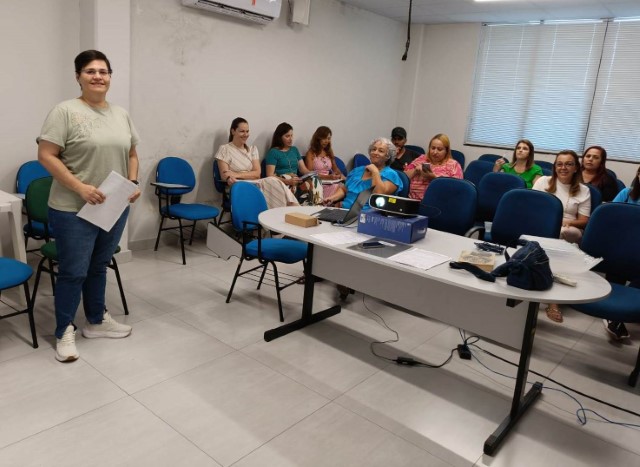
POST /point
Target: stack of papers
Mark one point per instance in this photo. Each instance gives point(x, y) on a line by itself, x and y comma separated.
point(421, 259)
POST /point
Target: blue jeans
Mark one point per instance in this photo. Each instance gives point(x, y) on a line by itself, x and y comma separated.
point(84, 252)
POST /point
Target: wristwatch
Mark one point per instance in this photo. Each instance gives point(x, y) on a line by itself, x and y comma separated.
point(135, 181)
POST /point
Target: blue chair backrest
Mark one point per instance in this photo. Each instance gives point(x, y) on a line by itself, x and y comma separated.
point(247, 202)
point(612, 233)
point(489, 158)
point(28, 172)
point(414, 148)
point(621, 185)
point(612, 173)
point(178, 171)
point(459, 157)
point(342, 166)
point(450, 204)
point(596, 197)
point(526, 212)
point(360, 159)
point(547, 167)
point(217, 180)
point(406, 183)
point(476, 170)
point(491, 188)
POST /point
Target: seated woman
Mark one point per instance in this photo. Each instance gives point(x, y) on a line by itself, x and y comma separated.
point(521, 163)
point(594, 173)
point(377, 176)
point(284, 161)
point(617, 329)
point(565, 184)
point(438, 162)
point(238, 161)
point(320, 158)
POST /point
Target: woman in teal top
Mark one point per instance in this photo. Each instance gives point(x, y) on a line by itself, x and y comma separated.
point(521, 164)
point(284, 161)
point(632, 194)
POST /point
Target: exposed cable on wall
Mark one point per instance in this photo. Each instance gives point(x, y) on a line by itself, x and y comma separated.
point(406, 50)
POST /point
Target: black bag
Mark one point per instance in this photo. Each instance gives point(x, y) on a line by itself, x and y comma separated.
point(527, 269)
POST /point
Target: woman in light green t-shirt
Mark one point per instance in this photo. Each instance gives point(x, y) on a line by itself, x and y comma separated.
point(521, 164)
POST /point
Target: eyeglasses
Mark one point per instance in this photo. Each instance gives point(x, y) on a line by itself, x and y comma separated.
point(92, 72)
point(564, 164)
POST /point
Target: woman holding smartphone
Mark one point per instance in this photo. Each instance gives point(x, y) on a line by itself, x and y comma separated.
point(521, 163)
point(438, 162)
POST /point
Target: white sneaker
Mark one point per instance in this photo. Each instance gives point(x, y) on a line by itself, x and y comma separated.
point(108, 328)
point(66, 347)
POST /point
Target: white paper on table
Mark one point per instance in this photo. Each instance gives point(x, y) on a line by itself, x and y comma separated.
point(421, 259)
point(341, 238)
point(117, 191)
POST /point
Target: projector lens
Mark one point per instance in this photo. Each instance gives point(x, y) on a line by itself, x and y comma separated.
point(380, 201)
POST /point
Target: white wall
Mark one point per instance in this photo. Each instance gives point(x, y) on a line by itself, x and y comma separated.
point(443, 87)
point(194, 71)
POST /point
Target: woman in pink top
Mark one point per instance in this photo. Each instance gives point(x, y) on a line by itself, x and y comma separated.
point(320, 159)
point(438, 162)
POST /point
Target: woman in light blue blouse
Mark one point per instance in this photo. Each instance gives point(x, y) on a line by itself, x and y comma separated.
point(631, 194)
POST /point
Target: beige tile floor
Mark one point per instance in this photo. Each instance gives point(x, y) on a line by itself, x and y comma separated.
point(196, 385)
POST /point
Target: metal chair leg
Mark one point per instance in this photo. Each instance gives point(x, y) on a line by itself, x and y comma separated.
point(32, 322)
point(37, 281)
point(264, 270)
point(114, 266)
point(235, 278)
point(184, 260)
point(633, 377)
point(155, 248)
point(193, 230)
point(275, 278)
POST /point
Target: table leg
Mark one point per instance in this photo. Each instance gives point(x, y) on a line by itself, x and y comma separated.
point(521, 401)
point(308, 317)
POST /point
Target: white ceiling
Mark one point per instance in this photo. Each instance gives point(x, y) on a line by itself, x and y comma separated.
point(498, 11)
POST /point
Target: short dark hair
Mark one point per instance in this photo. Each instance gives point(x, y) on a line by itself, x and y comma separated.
point(88, 56)
point(281, 130)
point(235, 123)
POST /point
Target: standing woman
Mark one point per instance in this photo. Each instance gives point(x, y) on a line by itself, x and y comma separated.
point(284, 160)
point(438, 162)
point(238, 161)
point(320, 158)
point(81, 142)
point(565, 184)
point(521, 163)
point(594, 172)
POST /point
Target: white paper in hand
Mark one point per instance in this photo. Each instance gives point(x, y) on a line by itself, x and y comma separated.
point(117, 191)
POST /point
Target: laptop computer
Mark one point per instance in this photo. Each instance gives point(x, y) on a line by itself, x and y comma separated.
point(345, 216)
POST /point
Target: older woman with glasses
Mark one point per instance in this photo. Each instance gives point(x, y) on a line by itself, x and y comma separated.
point(566, 184)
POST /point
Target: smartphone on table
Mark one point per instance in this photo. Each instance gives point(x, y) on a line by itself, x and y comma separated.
point(371, 244)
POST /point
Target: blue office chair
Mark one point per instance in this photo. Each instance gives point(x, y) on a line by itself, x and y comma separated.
point(612, 234)
point(342, 166)
point(489, 158)
point(621, 185)
point(406, 183)
point(36, 201)
point(476, 170)
point(28, 172)
point(612, 173)
point(524, 212)
point(360, 159)
point(220, 187)
point(14, 273)
point(414, 148)
point(450, 204)
point(596, 197)
point(263, 168)
point(247, 202)
point(491, 189)
point(547, 167)
point(176, 171)
point(459, 157)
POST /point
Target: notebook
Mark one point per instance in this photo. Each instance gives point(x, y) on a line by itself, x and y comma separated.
point(345, 216)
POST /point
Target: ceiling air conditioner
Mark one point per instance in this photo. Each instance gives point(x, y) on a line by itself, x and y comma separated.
point(259, 11)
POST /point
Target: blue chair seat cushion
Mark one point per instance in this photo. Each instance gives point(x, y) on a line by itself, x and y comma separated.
point(192, 212)
point(623, 305)
point(279, 249)
point(36, 229)
point(13, 273)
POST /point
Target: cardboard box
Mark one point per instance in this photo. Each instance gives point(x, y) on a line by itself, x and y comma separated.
point(485, 260)
point(399, 228)
point(300, 219)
